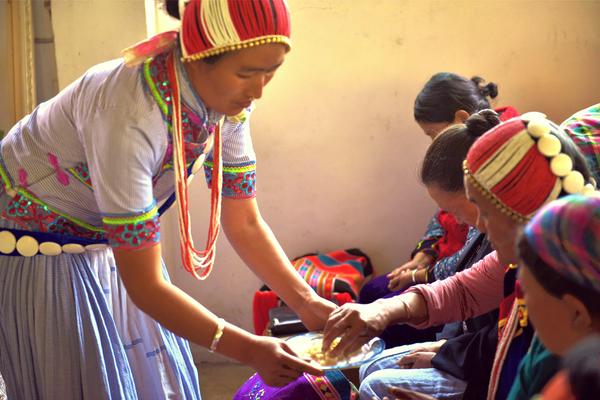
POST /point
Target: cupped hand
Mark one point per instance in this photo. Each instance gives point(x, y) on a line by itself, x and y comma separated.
point(276, 362)
point(416, 360)
point(404, 267)
point(356, 324)
point(401, 280)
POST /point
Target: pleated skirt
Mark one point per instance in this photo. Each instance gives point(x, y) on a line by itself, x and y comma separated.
point(68, 330)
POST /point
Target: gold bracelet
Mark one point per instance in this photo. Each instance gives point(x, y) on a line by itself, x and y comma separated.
point(218, 335)
point(414, 271)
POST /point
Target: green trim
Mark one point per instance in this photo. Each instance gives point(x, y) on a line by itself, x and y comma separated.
point(5, 178)
point(163, 106)
point(233, 169)
point(79, 178)
point(131, 220)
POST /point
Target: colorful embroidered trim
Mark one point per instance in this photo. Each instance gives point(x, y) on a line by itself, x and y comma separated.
point(32, 216)
point(81, 172)
point(156, 78)
point(322, 387)
point(136, 231)
point(239, 182)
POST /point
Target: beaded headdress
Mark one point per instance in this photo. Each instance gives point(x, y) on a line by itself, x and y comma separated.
point(212, 27)
point(519, 166)
point(564, 234)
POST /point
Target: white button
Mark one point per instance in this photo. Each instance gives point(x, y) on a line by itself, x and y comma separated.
point(50, 249)
point(7, 242)
point(73, 248)
point(96, 246)
point(27, 246)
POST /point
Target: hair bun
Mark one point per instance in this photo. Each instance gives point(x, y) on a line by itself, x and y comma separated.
point(172, 8)
point(490, 90)
point(481, 122)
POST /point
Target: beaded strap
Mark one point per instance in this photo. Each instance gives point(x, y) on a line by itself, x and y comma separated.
point(238, 46)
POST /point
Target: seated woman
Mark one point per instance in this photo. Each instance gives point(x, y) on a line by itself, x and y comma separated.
point(442, 174)
point(561, 285)
point(445, 100)
point(560, 274)
point(510, 173)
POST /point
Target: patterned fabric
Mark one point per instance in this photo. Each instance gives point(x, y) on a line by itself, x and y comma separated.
point(132, 233)
point(565, 233)
point(337, 271)
point(332, 386)
point(211, 27)
point(514, 337)
point(30, 214)
point(584, 128)
point(239, 182)
point(433, 233)
point(447, 266)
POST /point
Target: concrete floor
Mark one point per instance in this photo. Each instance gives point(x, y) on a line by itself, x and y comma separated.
point(221, 381)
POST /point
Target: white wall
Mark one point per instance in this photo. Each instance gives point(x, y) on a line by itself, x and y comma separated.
point(338, 149)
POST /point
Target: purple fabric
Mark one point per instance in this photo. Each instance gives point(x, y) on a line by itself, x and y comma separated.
point(337, 387)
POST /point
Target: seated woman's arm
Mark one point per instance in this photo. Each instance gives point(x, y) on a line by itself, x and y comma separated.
point(466, 294)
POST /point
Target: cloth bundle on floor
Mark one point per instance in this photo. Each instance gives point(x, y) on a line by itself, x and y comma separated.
point(336, 276)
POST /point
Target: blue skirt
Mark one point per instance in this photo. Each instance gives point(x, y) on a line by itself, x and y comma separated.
point(68, 330)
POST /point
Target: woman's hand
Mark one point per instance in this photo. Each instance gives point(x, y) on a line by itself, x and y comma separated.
point(420, 357)
point(416, 360)
point(402, 280)
point(412, 264)
point(356, 324)
point(315, 312)
point(276, 363)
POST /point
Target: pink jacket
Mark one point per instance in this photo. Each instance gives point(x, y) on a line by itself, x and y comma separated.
point(467, 294)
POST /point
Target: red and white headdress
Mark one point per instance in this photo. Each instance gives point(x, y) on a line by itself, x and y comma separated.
point(519, 165)
point(211, 27)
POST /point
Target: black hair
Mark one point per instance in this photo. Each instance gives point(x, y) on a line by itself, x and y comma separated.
point(446, 93)
point(553, 282)
point(442, 164)
point(583, 368)
point(172, 8)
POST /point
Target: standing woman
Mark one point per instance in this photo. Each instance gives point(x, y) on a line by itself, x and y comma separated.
point(86, 307)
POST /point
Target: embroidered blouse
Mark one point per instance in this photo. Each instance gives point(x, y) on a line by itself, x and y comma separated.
point(96, 160)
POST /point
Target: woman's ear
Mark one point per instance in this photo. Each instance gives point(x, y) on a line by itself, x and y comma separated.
point(460, 116)
point(581, 319)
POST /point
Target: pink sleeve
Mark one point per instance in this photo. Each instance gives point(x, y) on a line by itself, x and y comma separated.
point(469, 293)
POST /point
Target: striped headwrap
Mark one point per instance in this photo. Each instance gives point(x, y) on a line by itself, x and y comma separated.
point(565, 233)
point(519, 165)
point(211, 27)
point(584, 128)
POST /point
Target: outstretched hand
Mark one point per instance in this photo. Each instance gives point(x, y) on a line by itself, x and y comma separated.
point(277, 364)
point(356, 324)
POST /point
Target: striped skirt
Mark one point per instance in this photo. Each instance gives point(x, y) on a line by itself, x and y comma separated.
point(69, 331)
